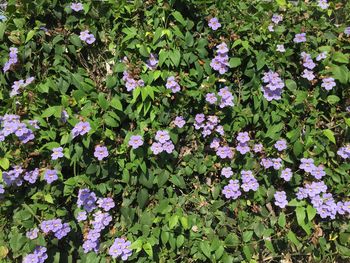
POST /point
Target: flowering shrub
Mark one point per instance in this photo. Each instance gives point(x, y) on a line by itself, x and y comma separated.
point(175, 131)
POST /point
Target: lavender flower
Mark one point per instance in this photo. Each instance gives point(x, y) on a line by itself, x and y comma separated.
point(224, 152)
point(12, 60)
point(106, 203)
point(81, 128)
point(276, 163)
point(347, 31)
point(214, 23)
point(328, 83)
point(162, 136)
point(321, 56)
point(17, 85)
point(323, 4)
point(248, 181)
point(152, 62)
point(280, 48)
point(344, 152)
point(179, 121)
point(172, 84)
point(76, 7)
point(281, 199)
point(211, 98)
point(274, 85)
point(243, 148)
point(308, 74)
point(276, 18)
point(156, 148)
point(258, 148)
point(220, 61)
point(57, 153)
point(266, 163)
point(307, 165)
point(87, 200)
point(135, 141)
point(87, 37)
point(31, 176)
point(243, 137)
point(120, 248)
point(131, 83)
point(299, 38)
point(32, 234)
point(39, 255)
point(100, 152)
point(50, 176)
point(231, 191)
point(64, 116)
point(270, 28)
point(286, 174)
point(281, 145)
point(227, 172)
point(82, 216)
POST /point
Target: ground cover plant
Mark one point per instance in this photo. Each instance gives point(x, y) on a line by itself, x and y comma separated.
point(174, 131)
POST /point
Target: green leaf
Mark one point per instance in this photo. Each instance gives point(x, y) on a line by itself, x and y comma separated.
point(174, 219)
point(330, 135)
point(148, 249)
point(178, 16)
point(116, 103)
point(102, 101)
point(175, 57)
point(205, 248)
point(142, 197)
point(291, 84)
point(30, 35)
point(235, 62)
point(292, 237)
point(340, 57)
point(4, 163)
point(282, 220)
point(311, 212)
point(332, 99)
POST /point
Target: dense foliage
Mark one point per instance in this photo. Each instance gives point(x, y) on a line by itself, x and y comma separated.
point(175, 131)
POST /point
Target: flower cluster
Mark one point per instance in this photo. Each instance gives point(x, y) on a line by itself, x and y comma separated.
point(276, 19)
point(214, 23)
point(209, 124)
point(120, 248)
point(249, 182)
point(81, 128)
point(13, 176)
point(152, 62)
point(243, 139)
point(344, 152)
point(31, 176)
point(17, 85)
point(100, 152)
point(226, 98)
point(135, 141)
point(231, 191)
point(11, 124)
point(163, 143)
point(56, 226)
point(172, 84)
point(220, 61)
point(87, 37)
point(309, 65)
point(274, 86)
point(39, 255)
point(130, 82)
point(13, 59)
point(100, 218)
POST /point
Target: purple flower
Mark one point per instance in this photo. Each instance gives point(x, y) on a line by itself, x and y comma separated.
point(328, 83)
point(13, 59)
point(100, 152)
point(87, 200)
point(266, 163)
point(87, 37)
point(106, 203)
point(274, 85)
point(39, 255)
point(344, 152)
point(156, 148)
point(276, 18)
point(64, 116)
point(227, 172)
point(172, 84)
point(276, 163)
point(31, 176)
point(50, 176)
point(286, 174)
point(231, 191)
point(307, 165)
point(321, 56)
point(214, 23)
point(211, 98)
point(168, 147)
point(135, 141)
point(248, 181)
point(243, 137)
point(2, 190)
point(258, 148)
point(281, 199)
point(323, 4)
point(81, 216)
point(76, 7)
point(162, 136)
point(120, 248)
point(270, 28)
point(32, 234)
point(347, 31)
point(200, 118)
point(57, 153)
point(179, 121)
point(308, 74)
point(318, 172)
point(281, 145)
point(81, 128)
point(243, 148)
point(62, 231)
point(215, 143)
point(152, 62)
point(224, 152)
point(299, 38)
point(280, 48)
point(220, 61)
